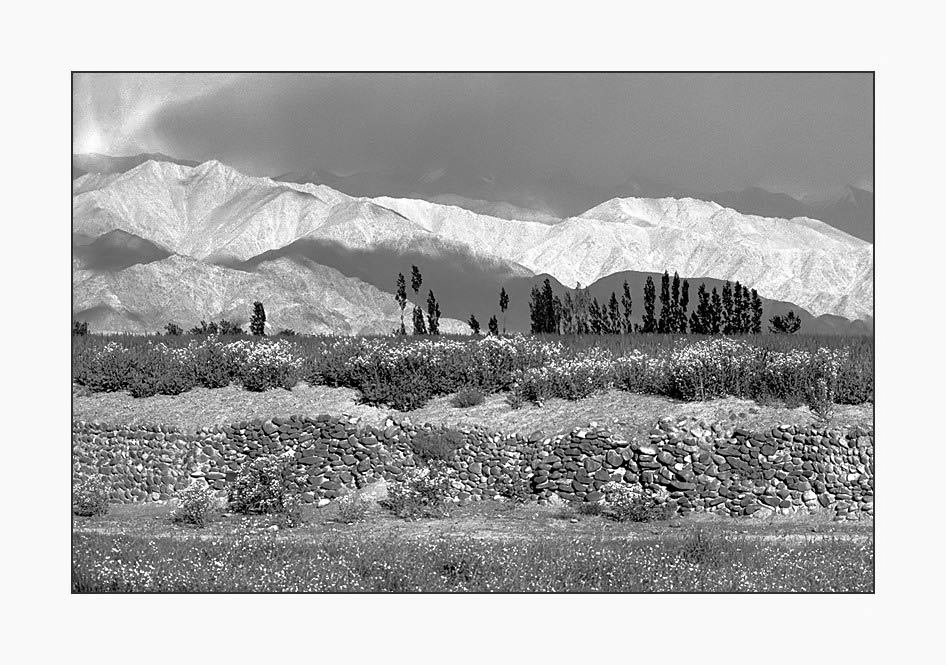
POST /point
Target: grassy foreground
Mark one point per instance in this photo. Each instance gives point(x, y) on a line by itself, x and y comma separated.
point(534, 551)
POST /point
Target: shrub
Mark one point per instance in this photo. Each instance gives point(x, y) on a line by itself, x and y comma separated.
point(353, 508)
point(90, 497)
point(265, 365)
point(468, 397)
point(589, 508)
point(702, 550)
point(198, 503)
point(422, 493)
point(436, 445)
point(80, 328)
point(624, 503)
point(268, 486)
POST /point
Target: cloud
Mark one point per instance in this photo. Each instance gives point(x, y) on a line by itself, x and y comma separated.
point(697, 131)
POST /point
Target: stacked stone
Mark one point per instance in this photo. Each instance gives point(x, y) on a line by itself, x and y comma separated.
point(330, 453)
point(141, 464)
point(577, 465)
point(490, 464)
point(698, 467)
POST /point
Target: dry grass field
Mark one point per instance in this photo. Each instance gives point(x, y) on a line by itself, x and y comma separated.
point(627, 413)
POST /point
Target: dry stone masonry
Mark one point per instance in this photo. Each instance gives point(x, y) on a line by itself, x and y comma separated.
point(697, 466)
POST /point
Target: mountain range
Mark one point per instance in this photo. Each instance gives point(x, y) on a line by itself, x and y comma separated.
point(324, 260)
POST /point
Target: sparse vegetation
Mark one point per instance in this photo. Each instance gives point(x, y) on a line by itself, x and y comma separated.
point(90, 497)
point(468, 397)
point(364, 561)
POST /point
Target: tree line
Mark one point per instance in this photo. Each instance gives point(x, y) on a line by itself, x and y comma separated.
point(736, 310)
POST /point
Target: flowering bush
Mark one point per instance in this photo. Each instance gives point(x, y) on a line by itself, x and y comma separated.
point(90, 497)
point(406, 372)
point(264, 365)
point(353, 508)
point(268, 485)
point(197, 504)
point(572, 378)
point(424, 492)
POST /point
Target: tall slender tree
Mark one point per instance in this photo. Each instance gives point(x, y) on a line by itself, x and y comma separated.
point(666, 315)
point(548, 302)
point(433, 314)
point(581, 310)
point(716, 318)
point(503, 305)
point(649, 323)
point(420, 328)
point(568, 314)
point(474, 324)
point(729, 313)
point(614, 315)
point(400, 295)
point(673, 324)
point(737, 303)
point(746, 311)
point(756, 313)
point(701, 321)
point(628, 306)
point(493, 325)
point(258, 320)
point(684, 304)
point(596, 319)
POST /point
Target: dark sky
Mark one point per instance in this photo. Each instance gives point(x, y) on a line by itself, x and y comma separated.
point(798, 133)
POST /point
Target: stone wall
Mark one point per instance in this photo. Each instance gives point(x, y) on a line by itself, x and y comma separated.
point(699, 467)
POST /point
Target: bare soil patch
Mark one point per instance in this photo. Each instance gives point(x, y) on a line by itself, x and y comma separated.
point(626, 413)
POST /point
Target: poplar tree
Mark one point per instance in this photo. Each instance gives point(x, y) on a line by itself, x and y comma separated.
point(433, 314)
point(614, 315)
point(595, 315)
point(627, 304)
point(400, 295)
point(716, 317)
point(649, 323)
point(581, 310)
point(503, 305)
point(673, 324)
point(684, 304)
point(663, 323)
point(258, 320)
point(418, 316)
point(568, 314)
point(737, 304)
point(746, 318)
point(474, 324)
point(550, 315)
point(729, 314)
point(756, 313)
point(493, 325)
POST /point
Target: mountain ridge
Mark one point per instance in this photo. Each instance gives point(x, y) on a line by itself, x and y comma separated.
point(215, 213)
